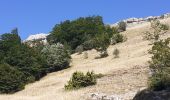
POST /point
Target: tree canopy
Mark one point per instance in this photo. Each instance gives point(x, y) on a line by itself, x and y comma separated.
point(82, 31)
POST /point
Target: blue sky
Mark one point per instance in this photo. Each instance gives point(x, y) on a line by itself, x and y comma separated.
point(36, 16)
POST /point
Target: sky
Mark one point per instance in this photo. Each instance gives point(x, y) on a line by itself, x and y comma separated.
point(40, 16)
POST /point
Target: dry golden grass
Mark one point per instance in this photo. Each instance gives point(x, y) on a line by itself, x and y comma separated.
point(121, 74)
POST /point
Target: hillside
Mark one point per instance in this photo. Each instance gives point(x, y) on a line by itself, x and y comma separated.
point(124, 76)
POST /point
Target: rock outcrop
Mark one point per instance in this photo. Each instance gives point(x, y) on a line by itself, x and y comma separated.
point(40, 36)
point(153, 95)
point(34, 39)
point(135, 21)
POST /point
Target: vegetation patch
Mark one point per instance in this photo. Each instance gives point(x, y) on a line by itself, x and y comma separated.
point(79, 80)
point(11, 79)
point(157, 29)
point(160, 65)
point(116, 53)
point(21, 64)
point(57, 57)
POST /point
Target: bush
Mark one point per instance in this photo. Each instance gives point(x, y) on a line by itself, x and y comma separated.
point(28, 61)
point(79, 49)
point(103, 54)
point(11, 80)
point(160, 65)
point(157, 29)
point(159, 81)
point(116, 38)
point(99, 75)
point(57, 57)
point(116, 53)
point(85, 55)
point(88, 45)
point(79, 80)
point(148, 36)
point(165, 27)
point(101, 44)
point(122, 26)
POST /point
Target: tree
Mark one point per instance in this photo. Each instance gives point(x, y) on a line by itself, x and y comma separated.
point(27, 60)
point(57, 57)
point(8, 41)
point(78, 32)
point(11, 80)
point(24, 58)
point(101, 43)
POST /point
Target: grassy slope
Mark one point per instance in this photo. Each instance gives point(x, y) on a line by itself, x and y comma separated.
point(125, 74)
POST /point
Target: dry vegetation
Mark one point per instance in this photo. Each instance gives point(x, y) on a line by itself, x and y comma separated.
point(124, 74)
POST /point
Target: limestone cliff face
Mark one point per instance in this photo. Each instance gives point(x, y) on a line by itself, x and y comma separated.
point(34, 39)
point(136, 21)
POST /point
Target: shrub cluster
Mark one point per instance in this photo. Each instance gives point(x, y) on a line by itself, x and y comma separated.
point(78, 32)
point(79, 80)
point(79, 49)
point(30, 63)
point(86, 33)
point(116, 53)
point(89, 32)
point(164, 27)
point(85, 55)
point(122, 26)
point(116, 38)
point(160, 65)
point(57, 57)
point(21, 64)
point(11, 79)
point(157, 29)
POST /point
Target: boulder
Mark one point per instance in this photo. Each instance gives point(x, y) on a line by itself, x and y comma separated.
point(153, 95)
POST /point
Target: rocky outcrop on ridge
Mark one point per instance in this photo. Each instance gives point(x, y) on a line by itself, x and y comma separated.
point(33, 39)
point(135, 21)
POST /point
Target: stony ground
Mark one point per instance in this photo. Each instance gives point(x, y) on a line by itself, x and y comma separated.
point(124, 76)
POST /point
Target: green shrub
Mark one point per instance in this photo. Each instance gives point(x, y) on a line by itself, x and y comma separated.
point(159, 81)
point(79, 80)
point(88, 45)
point(164, 27)
point(57, 57)
point(116, 38)
point(85, 55)
point(101, 44)
point(81, 31)
point(116, 53)
point(148, 35)
point(157, 29)
point(122, 26)
point(79, 49)
point(103, 54)
point(160, 65)
point(28, 61)
point(99, 75)
point(76, 32)
point(11, 80)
